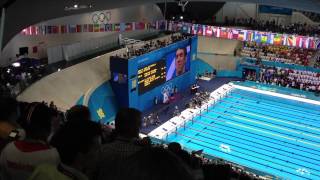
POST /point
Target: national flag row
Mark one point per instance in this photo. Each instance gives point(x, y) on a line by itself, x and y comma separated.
point(246, 35)
point(79, 28)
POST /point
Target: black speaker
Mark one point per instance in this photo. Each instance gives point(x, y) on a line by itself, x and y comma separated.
point(23, 50)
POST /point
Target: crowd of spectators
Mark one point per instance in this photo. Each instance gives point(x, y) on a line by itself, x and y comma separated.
point(317, 60)
point(283, 54)
point(18, 76)
point(38, 142)
point(152, 45)
point(313, 16)
point(273, 26)
point(303, 80)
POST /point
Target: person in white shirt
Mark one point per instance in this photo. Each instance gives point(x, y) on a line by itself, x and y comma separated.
point(19, 158)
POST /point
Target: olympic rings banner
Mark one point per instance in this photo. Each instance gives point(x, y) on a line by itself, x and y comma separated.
point(101, 17)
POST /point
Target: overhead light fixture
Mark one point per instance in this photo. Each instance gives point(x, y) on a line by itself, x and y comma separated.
point(183, 4)
point(181, 17)
point(16, 64)
point(77, 7)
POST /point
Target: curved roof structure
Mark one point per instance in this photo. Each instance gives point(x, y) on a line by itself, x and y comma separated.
point(21, 13)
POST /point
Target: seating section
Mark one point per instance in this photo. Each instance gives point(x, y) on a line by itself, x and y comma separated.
point(283, 54)
point(303, 80)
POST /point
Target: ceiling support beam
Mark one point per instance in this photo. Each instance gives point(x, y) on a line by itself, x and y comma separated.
point(2, 21)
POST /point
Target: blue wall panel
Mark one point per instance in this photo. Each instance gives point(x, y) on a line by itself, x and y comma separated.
point(80, 100)
point(282, 65)
point(102, 103)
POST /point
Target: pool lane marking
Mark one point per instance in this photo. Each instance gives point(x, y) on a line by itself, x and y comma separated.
point(273, 134)
point(278, 120)
point(281, 145)
point(265, 138)
point(276, 112)
point(269, 125)
point(269, 110)
point(277, 155)
point(277, 94)
point(284, 106)
point(272, 118)
point(233, 154)
point(270, 133)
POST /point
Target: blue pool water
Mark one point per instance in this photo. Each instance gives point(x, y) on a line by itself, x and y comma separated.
point(266, 133)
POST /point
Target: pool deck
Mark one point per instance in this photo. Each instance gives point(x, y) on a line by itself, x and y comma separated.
point(165, 111)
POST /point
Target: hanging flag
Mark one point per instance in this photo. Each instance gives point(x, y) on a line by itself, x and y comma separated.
point(55, 29)
point(312, 44)
point(90, 27)
point(291, 40)
point(277, 39)
point(208, 31)
point(264, 38)
point(128, 27)
point(223, 33)
point(49, 30)
point(235, 34)
point(79, 28)
point(102, 28)
point(63, 29)
point(299, 41)
point(33, 30)
point(305, 42)
point(133, 26)
point(116, 27)
point(200, 30)
point(108, 27)
point(96, 28)
point(162, 25)
point(42, 29)
point(250, 36)
point(139, 25)
point(242, 35)
point(216, 31)
point(85, 28)
point(317, 43)
point(72, 28)
point(194, 29)
point(285, 39)
point(170, 26)
point(153, 25)
point(229, 31)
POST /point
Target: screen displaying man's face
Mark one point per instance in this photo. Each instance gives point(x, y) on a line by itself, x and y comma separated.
point(180, 61)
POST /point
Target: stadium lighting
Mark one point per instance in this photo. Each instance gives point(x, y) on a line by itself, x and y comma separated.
point(16, 64)
point(77, 7)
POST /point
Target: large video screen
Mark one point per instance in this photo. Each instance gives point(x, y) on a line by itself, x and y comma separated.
point(178, 62)
point(151, 76)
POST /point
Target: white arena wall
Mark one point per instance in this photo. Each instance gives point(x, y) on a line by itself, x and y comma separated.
point(68, 85)
point(141, 13)
point(218, 52)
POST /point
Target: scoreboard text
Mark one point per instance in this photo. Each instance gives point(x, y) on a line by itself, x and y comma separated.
point(151, 76)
